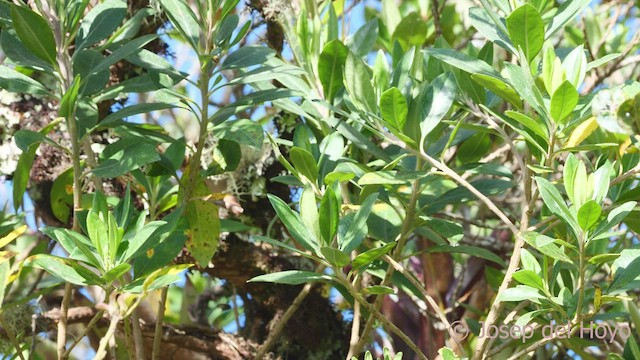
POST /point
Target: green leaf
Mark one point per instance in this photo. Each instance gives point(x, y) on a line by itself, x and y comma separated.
point(369, 256)
point(546, 246)
point(382, 178)
point(411, 31)
point(17, 82)
point(183, 19)
point(566, 12)
point(100, 22)
point(463, 62)
point(523, 83)
point(627, 269)
point(529, 262)
point(449, 230)
point(115, 273)
point(65, 269)
point(329, 215)
point(474, 148)
point(292, 222)
point(615, 217)
point(378, 290)
point(291, 277)
point(247, 56)
point(160, 255)
point(243, 131)
point(122, 52)
point(351, 241)
point(62, 195)
point(35, 32)
point(204, 230)
point(25, 138)
point(330, 68)
point(18, 53)
point(129, 158)
point(603, 258)
point(160, 278)
point(575, 66)
point(68, 102)
point(484, 24)
point(309, 210)
point(530, 278)
point(358, 83)
point(589, 214)
point(552, 72)
point(141, 238)
point(23, 168)
point(526, 30)
point(447, 354)
point(569, 174)
point(554, 201)
point(537, 127)
point(563, 101)
point(335, 257)
point(394, 108)
point(436, 102)
point(469, 250)
point(72, 241)
point(520, 293)
point(365, 37)
point(304, 162)
point(498, 87)
point(601, 61)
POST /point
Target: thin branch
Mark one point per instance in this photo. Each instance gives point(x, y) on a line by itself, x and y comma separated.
point(85, 331)
point(385, 322)
point(355, 330)
point(275, 333)
point(155, 355)
point(447, 170)
point(101, 353)
point(436, 309)
point(138, 341)
point(436, 16)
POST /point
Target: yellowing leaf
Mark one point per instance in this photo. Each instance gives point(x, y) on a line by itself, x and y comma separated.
point(582, 132)
point(625, 145)
point(597, 298)
point(204, 230)
point(6, 255)
point(12, 235)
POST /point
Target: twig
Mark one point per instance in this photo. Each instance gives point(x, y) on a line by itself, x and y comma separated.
point(62, 324)
point(155, 355)
point(355, 330)
point(273, 334)
point(397, 253)
point(447, 170)
point(625, 176)
point(436, 17)
point(85, 331)
point(128, 338)
point(588, 88)
point(102, 349)
point(385, 322)
point(436, 309)
point(138, 341)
